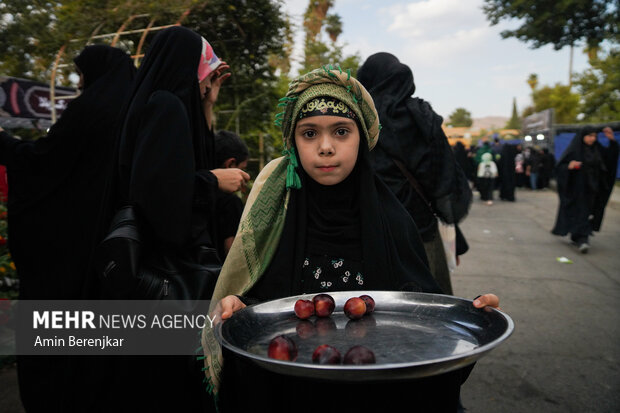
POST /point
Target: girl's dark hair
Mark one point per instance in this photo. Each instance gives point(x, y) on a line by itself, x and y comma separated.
point(229, 145)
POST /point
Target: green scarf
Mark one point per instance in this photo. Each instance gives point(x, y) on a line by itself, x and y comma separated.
point(263, 217)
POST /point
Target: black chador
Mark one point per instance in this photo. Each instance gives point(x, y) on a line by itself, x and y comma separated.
point(584, 192)
point(56, 189)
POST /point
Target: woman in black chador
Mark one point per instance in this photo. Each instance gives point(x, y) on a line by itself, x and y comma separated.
point(507, 172)
point(466, 162)
point(165, 170)
point(411, 134)
point(56, 188)
point(57, 182)
point(585, 176)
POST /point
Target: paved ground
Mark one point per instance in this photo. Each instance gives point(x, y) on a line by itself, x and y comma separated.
point(564, 353)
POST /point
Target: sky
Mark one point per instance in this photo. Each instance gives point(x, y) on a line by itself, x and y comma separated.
point(458, 59)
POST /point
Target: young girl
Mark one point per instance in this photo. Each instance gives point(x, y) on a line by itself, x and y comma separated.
point(319, 220)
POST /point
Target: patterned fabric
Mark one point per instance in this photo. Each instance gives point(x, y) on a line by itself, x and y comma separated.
point(326, 107)
point(265, 210)
point(325, 273)
point(208, 61)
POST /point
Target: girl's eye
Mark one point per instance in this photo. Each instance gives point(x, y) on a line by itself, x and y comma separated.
point(309, 134)
point(342, 131)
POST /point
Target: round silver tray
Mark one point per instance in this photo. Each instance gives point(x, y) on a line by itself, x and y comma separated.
point(412, 335)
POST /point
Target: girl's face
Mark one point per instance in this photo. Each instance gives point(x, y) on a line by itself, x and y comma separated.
point(327, 147)
point(589, 139)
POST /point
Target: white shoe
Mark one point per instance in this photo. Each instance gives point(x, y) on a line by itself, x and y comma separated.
point(583, 248)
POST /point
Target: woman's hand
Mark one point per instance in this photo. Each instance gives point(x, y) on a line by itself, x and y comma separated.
point(574, 165)
point(216, 83)
point(231, 179)
point(487, 300)
point(609, 133)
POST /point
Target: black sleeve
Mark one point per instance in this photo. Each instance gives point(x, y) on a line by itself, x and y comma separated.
point(461, 243)
point(163, 169)
point(229, 210)
point(7, 143)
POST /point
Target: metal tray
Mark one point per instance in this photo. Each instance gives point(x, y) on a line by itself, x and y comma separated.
point(412, 335)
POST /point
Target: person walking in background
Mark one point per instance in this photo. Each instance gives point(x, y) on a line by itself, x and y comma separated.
point(413, 157)
point(507, 166)
point(486, 174)
point(230, 152)
point(464, 160)
point(56, 189)
point(533, 165)
point(520, 167)
point(546, 169)
point(585, 175)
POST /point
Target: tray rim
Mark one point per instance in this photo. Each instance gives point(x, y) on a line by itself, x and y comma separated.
point(444, 364)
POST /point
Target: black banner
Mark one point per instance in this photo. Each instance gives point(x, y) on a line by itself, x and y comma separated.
point(27, 104)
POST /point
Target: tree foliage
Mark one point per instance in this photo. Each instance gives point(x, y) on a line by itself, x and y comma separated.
point(599, 87)
point(561, 99)
point(254, 37)
point(559, 23)
point(319, 26)
point(515, 121)
point(460, 117)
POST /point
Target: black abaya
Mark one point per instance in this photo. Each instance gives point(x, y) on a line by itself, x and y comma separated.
point(411, 133)
point(584, 192)
point(56, 189)
point(507, 172)
point(163, 169)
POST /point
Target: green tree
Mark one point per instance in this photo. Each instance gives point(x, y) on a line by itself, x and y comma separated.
point(460, 117)
point(532, 80)
point(318, 25)
point(515, 120)
point(559, 23)
point(599, 87)
point(560, 98)
point(255, 38)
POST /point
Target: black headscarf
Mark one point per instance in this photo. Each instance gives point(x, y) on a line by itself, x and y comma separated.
point(584, 192)
point(170, 64)
point(411, 132)
point(464, 161)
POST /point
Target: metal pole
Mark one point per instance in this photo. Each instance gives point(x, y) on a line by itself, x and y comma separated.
point(53, 83)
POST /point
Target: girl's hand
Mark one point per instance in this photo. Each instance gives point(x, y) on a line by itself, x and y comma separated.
point(231, 179)
point(574, 165)
point(487, 300)
point(229, 305)
point(226, 308)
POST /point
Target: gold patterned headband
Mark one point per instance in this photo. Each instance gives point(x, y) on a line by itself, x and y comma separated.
point(326, 106)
